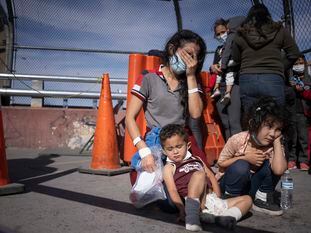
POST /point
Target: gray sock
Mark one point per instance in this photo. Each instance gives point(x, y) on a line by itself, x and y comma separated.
point(192, 209)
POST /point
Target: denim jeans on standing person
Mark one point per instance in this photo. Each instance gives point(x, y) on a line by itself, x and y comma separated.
point(239, 180)
point(254, 86)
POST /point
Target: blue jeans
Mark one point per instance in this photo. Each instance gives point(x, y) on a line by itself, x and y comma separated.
point(239, 180)
point(254, 86)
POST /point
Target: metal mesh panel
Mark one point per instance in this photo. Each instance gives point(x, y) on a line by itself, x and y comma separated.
point(117, 26)
point(302, 22)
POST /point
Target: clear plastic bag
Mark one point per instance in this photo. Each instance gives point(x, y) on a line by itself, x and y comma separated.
point(148, 186)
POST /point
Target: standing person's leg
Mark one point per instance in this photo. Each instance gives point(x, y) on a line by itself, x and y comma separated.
point(263, 184)
point(302, 141)
point(291, 144)
point(223, 115)
point(236, 179)
point(290, 139)
point(234, 111)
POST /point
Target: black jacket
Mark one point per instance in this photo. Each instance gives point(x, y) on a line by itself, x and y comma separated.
point(261, 53)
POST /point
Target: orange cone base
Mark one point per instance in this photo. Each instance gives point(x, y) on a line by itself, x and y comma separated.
point(105, 172)
point(11, 189)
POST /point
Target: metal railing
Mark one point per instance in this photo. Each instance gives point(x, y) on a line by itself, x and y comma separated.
point(58, 94)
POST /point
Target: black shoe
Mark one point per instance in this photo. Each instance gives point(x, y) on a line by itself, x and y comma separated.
point(227, 222)
point(268, 207)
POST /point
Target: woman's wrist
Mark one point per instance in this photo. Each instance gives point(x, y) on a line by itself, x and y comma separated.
point(144, 152)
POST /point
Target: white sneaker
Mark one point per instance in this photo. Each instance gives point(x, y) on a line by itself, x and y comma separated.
point(193, 227)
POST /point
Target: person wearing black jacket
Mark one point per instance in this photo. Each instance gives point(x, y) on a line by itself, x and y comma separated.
point(257, 47)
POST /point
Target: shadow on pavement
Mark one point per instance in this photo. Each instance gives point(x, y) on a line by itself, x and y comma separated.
point(20, 169)
point(149, 211)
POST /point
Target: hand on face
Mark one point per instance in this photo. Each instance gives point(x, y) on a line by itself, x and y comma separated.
point(191, 61)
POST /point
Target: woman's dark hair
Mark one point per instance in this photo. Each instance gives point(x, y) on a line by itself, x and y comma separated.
point(258, 16)
point(220, 22)
point(179, 39)
point(266, 108)
point(171, 130)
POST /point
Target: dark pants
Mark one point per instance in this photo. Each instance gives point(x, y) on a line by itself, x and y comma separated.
point(254, 86)
point(239, 180)
point(230, 115)
point(298, 149)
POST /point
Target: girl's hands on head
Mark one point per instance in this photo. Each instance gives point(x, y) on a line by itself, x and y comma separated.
point(148, 163)
point(191, 61)
point(278, 140)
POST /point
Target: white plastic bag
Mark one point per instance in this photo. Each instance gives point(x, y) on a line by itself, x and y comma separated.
point(148, 186)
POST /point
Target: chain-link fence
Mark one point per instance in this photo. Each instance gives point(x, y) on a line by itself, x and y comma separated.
point(88, 38)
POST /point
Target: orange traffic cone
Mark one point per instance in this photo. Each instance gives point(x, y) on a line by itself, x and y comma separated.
point(136, 66)
point(105, 153)
point(137, 63)
point(5, 186)
point(213, 138)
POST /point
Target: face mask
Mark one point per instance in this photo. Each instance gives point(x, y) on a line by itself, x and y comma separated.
point(254, 137)
point(222, 38)
point(177, 64)
point(299, 68)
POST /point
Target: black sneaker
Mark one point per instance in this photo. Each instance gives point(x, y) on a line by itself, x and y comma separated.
point(268, 207)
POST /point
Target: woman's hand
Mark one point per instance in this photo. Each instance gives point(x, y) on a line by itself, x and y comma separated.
point(191, 62)
point(215, 68)
point(148, 163)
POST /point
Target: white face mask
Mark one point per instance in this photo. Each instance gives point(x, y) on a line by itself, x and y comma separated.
point(222, 38)
point(177, 64)
point(299, 68)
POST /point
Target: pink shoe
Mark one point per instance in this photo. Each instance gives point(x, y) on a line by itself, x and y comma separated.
point(304, 167)
point(291, 165)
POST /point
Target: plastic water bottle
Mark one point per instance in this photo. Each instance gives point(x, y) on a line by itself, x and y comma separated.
point(287, 187)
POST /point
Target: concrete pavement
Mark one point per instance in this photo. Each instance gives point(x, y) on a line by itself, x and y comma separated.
point(58, 199)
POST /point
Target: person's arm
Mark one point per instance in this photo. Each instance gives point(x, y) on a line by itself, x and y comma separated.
point(134, 106)
point(278, 163)
point(215, 186)
point(172, 190)
point(215, 68)
point(226, 157)
point(291, 49)
point(195, 103)
point(235, 51)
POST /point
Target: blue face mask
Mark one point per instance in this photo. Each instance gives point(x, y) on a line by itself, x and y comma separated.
point(177, 64)
point(222, 39)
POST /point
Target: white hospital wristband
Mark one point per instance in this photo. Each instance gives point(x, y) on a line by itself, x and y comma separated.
point(144, 152)
point(136, 140)
point(194, 90)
